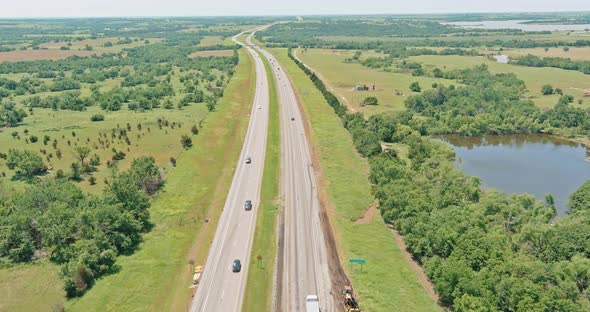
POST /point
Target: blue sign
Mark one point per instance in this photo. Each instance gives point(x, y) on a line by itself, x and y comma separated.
point(352, 260)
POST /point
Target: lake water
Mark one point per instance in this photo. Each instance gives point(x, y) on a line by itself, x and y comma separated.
point(534, 164)
point(518, 24)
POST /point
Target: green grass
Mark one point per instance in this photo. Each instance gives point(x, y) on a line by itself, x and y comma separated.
point(387, 282)
point(344, 76)
point(30, 287)
point(157, 276)
point(162, 144)
point(259, 287)
point(570, 81)
point(208, 41)
point(159, 143)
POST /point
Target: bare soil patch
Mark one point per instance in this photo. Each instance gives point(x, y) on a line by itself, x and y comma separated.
point(368, 217)
point(212, 53)
point(34, 55)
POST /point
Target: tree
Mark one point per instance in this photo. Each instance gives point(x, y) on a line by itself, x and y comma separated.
point(146, 174)
point(27, 162)
point(75, 172)
point(82, 152)
point(195, 130)
point(437, 73)
point(547, 89)
point(186, 141)
point(123, 190)
point(10, 116)
point(371, 100)
point(580, 199)
point(415, 87)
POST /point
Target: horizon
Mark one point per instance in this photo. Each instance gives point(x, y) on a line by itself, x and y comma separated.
point(38, 9)
point(284, 15)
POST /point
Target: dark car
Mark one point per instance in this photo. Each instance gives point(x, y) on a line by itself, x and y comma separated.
point(248, 160)
point(292, 118)
point(236, 266)
point(248, 205)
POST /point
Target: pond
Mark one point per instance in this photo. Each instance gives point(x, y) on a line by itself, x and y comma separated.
point(518, 24)
point(534, 164)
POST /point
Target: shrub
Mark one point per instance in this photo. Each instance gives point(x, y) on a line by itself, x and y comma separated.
point(371, 100)
point(97, 117)
point(186, 141)
point(415, 87)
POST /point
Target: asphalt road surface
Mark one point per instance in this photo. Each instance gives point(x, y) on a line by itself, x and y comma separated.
point(220, 289)
point(305, 259)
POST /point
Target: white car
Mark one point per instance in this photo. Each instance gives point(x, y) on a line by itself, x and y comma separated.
point(259, 106)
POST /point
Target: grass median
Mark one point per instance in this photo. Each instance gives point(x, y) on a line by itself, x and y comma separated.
point(387, 282)
point(259, 287)
point(157, 276)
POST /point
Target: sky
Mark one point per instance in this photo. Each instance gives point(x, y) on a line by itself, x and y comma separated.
point(102, 8)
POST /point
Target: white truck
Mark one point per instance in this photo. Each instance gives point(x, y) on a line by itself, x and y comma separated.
point(312, 304)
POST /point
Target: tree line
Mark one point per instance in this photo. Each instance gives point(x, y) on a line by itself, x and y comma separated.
point(557, 62)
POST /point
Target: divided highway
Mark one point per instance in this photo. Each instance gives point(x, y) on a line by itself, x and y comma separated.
point(305, 259)
point(304, 256)
point(221, 289)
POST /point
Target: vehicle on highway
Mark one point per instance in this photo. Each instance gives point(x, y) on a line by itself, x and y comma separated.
point(312, 303)
point(259, 107)
point(248, 205)
point(292, 118)
point(248, 160)
point(237, 266)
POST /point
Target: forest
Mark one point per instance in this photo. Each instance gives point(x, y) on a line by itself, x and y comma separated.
point(484, 251)
point(84, 233)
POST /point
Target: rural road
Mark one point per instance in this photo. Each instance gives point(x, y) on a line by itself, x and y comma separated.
point(220, 289)
point(304, 255)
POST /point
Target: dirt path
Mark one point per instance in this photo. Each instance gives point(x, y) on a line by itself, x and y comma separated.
point(422, 278)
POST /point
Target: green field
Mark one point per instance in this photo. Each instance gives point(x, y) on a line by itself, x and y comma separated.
point(387, 282)
point(72, 129)
point(572, 82)
point(343, 77)
point(259, 287)
point(31, 287)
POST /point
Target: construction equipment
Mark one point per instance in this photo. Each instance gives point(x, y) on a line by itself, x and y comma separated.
point(197, 274)
point(349, 301)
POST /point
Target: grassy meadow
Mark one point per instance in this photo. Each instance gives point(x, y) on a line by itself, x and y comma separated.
point(343, 77)
point(572, 82)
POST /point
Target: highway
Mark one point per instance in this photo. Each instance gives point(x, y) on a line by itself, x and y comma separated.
point(304, 256)
point(305, 260)
point(220, 289)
